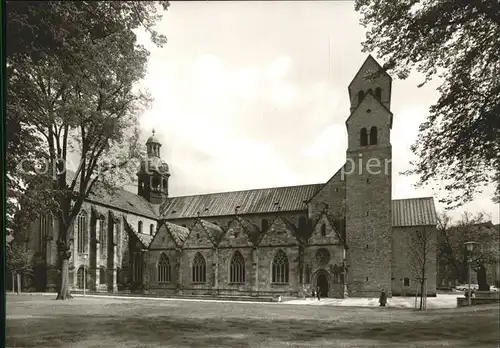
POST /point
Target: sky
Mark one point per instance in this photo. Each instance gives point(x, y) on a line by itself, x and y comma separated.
point(254, 94)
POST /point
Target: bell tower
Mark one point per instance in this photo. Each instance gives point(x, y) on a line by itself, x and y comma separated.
point(368, 182)
point(154, 174)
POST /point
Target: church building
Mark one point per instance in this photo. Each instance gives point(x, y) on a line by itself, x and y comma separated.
point(346, 236)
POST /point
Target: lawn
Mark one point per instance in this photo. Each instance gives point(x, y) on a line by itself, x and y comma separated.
point(41, 321)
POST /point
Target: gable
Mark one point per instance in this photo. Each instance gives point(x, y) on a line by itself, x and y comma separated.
point(236, 235)
point(370, 64)
point(376, 117)
point(169, 236)
point(203, 234)
point(280, 232)
point(324, 224)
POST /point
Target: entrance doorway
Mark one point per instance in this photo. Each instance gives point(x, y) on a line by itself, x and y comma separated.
point(322, 283)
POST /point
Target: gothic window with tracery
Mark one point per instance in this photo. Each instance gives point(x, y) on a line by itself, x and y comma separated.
point(81, 232)
point(163, 269)
point(280, 268)
point(199, 269)
point(237, 268)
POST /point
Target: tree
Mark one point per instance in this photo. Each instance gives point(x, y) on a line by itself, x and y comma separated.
point(18, 262)
point(72, 86)
point(423, 247)
point(456, 41)
point(452, 256)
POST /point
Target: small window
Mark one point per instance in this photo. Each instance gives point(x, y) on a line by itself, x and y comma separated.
point(361, 96)
point(406, 281)
point(378, 93)
point(151, 229)
point(140, 226)
point(363, 137)
point(302, 224)
point(373, 135)
point(323, 230)
point(264, 225)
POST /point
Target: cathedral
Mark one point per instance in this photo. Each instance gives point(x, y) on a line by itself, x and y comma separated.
point(345, 237)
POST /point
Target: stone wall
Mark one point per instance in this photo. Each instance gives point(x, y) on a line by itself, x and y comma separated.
point(407, 251)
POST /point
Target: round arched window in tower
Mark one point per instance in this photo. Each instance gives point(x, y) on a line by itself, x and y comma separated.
point(322, 256)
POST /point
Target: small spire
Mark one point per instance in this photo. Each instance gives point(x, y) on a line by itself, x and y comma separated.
point(153, 131)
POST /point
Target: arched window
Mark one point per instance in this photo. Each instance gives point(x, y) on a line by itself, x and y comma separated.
point(378, 93)
point(237, 268)
point(361, 96)
point(302, 224)
point(116, 232)
point(369, 91)
point(373, 135)
point(280, 268)
point(199, 269)
point(363, 137)
point(103, 235)
point(81, 232)
point(45, 227)
point(140, 226)
point(102, 275)
point(323, 230)
point(163, 269)
point(264, 225)
point(151, 229)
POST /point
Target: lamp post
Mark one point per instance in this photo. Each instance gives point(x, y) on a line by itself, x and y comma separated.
point(84, 272)
point(470, 247)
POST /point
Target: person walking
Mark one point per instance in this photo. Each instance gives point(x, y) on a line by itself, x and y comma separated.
point(317, 293)
point(383, 298)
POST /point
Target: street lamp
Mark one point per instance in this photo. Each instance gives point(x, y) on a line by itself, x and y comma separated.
point(470, 247)
point(84, 272)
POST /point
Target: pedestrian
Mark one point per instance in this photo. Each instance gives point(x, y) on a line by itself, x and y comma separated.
point(383, 298)
point(317, 293)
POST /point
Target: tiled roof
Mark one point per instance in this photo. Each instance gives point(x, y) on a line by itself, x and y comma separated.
point(178, 233)
point(289, 198)
point(120, 198)
point(145, 239)
point(252, 231)
point(215, 233)
point(414, 212)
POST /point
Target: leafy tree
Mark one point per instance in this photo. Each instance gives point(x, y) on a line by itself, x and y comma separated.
point(457, 41)
point(452, 256)
point(18, 262)
point(73, 69)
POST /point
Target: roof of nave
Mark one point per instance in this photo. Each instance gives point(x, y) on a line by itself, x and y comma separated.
point(178, 233)
point(267, 200)
point(413, 212)
point(119, 198)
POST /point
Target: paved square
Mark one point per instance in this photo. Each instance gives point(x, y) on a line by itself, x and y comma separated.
point(41, 321)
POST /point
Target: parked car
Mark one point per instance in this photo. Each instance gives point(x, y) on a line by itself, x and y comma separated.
point(465, 287)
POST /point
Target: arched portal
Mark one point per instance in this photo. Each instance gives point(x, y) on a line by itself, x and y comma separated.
point(322, 284)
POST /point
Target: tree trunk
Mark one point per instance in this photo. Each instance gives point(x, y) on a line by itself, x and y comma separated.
point(13, 283)
point(64, 293)
point(421, 293)
point(18, 276)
